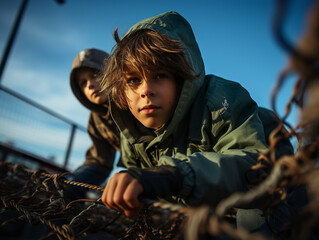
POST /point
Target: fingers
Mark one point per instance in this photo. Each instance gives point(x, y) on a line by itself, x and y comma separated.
point(131, 199)
point(131, 194)
point(121, 193)
point(107, 198)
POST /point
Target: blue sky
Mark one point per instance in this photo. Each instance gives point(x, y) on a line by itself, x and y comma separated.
point(235, 38)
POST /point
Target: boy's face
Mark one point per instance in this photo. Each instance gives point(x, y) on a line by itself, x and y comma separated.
point(86, 78)
point(151, 98)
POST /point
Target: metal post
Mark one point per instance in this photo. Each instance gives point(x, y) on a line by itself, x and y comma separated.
point(12, 37)
point(68, 151)
point(13, 34)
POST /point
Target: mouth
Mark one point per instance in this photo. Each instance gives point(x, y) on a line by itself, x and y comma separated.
point(95, 93)
point(149, 109)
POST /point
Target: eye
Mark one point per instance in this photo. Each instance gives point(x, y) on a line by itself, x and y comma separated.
point(83, 83)
point(161, 75)
point(133, 80)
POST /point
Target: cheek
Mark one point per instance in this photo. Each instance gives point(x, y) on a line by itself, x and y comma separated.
point(128, 99)
point(127, 96)
point(86, 93)
point(172, 95)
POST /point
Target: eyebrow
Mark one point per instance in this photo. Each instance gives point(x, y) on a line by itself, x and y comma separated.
point(131, 74)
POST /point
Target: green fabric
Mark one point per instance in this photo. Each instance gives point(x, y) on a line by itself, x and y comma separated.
point(214, 136)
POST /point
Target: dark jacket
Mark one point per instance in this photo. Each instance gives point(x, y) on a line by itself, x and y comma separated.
point(103, 132)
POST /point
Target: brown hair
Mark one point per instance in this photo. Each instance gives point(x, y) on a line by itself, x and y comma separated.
point(143, 50)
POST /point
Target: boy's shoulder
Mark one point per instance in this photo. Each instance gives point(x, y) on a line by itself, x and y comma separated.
point(222, 86)
point(223, 96)
point(218, 89)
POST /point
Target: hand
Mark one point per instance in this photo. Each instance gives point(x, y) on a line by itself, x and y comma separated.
point(121, 193)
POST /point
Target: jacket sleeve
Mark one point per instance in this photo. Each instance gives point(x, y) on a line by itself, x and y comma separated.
point(101, 153)
point(236, 137)
point(98, 163)
point(270, 122)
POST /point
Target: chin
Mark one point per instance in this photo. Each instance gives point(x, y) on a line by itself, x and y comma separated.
point(100, 101)
point(150, 125)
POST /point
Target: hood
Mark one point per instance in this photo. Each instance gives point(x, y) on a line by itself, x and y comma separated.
point(176, 27)
point(92, 58)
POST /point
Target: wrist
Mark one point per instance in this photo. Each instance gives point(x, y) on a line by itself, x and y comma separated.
point(160, 181)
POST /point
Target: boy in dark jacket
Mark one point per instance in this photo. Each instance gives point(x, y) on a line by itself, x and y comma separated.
point(186, 137)
point(104, 134)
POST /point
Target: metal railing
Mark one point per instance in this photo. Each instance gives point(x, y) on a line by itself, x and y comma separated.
point(37, 129)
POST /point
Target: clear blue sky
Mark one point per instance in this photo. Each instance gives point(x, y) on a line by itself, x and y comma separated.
point(234, 36)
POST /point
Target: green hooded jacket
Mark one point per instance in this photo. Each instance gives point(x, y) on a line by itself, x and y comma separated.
point(214, 136)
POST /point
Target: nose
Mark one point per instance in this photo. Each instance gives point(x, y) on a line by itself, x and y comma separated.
point(91, 84)
point(147, 89)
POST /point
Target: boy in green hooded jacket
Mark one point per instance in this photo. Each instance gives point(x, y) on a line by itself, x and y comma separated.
point(186, 137)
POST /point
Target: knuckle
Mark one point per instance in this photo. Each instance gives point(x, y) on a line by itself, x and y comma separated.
point(135, 181)
point(116, 175)
point(110, 202)
point(118, 200)
point(128, 198)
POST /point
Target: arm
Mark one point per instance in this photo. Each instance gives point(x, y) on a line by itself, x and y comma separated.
point(236, 131)
point(99, 157)
point(105, 141)
point(212, 176)
point(125, 189)
point(233, 137)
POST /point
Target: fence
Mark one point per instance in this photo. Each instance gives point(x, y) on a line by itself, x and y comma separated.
point(34, 130)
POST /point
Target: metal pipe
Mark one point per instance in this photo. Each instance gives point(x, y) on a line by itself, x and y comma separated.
point(12, 37)
point(68, 150)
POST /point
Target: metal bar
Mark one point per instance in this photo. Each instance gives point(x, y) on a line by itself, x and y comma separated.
point(43, 162)
point(67, 154)
point(41, 107)
point(12, 36)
